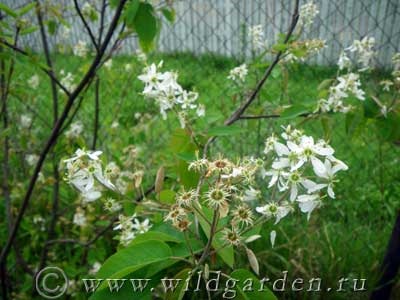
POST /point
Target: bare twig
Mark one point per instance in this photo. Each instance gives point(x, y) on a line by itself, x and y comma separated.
point(86, 25)
point(54, 134)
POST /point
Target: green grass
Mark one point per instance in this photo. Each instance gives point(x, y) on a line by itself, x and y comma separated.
point(345, 238)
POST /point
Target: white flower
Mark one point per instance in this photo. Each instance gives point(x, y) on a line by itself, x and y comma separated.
point(75, 130)
point(238, 73)
point(124, 223)
point(364, 49)
point(108, 64)
point(67, 80)
point(328, 171)
point(256, 35)
point(344, 61)
point(80, 49)
point(25, 121)
point(141, 56)
point(79, 218)
point(33, 82)
point(168, 93)
point(89, 11)
point(65, 33)
point(112, 205)
point(201, 110)
point(31, 159)
point(274, 210)
point(85, 173)
point(251, 194)
point(126, 237)
point(141, 227)
point(308, 203)
point(95, 268)
point(386, 84)
point(128, 67)
point(307, 14)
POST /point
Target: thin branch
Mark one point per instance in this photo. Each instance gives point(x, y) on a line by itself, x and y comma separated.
point(236, 115)
point(24, 53)
point(96, 112)
point(54, 134)
point(86, 25)
point(273, 116)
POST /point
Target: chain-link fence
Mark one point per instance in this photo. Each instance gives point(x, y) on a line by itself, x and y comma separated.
point(219, 26)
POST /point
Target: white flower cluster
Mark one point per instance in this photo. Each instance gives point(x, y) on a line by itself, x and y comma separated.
point(256, 35)
point(396, 61)
point(301, 168)
point(32, 159)
point(85, 173)
point(81, 49)
point(89, 11)
point(75, 130)
point(168, 93)
point(68, 80)
point(347, 85)
point(300, 50)
point(364, 49)
point(79, 218)
point(238, 73)
point(25, 121)
point(130, 227)
point(307, 14)
point(34, 81)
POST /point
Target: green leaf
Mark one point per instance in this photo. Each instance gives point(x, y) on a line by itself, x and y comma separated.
point(154, 235)
point(130, 13)
point(167, 196)
point(169, 14)
point(245, 278)
point(181, 143)
point(29, 30)
point(8, 10)
point(146, 26)
point(280, 47)
point(389, 127)
point(179, 292)
point(371, 108)
point(25, 9)
point(133, 258)
point(325, 84)
point(52, 26)
point(225, 130)
point(294, 111)
point(225, 253)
